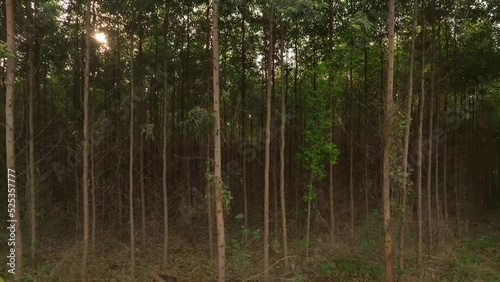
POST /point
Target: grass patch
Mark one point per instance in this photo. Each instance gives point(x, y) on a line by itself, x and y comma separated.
point(476, 259)
point(349, 269)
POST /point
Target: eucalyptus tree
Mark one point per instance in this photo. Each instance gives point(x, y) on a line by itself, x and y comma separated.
point(269, 85)
point(164, 144)
point(221, 244)
point(386, 135)
point(420, 143)
point(85, 151)
point(31, 93)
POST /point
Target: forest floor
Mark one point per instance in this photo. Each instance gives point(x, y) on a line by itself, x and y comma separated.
point(475, 257)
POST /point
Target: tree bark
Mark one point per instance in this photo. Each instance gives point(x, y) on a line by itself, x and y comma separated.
point(92, 179)
point(268, 144)
point(164, 147)
point(419, 145)
point(330, 165)
point(221, 245)
point(85, 177)
point(429, 158)
point(32, 87)
point(131, 161)
point(282, 150)
point(387, 132)
point(243, 114)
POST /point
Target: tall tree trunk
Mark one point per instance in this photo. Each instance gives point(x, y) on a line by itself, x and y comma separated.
point(386, 201)
point(268, 144)
point(141, 180)
point(282, 149)
point(209, 184)
point(85, 177)
point(142, 123)
point(429, 157)
point(435, 54)
point(131, 161)
point(455, 174)
point(92, 179)
point(221, 244)
point(409, 100)
point(9, 135)
point(419, 145)
point(243, 114)
point(445, 160)
point(365, 172)
point(32, 87)
point(209, 203)
point(164, 149)
point(330, 165)
point(351, 144)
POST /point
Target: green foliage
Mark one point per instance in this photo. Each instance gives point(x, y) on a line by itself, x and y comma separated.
point(275, 246)
point(310, 194)
point(227, 198)
point(147, 130)
point(4, 51)
point(28, 278)
point(199, 121)
point(298, 278)
point(304, 244)
point(369, 233)
point(350, 269)
point(237, 251)
point(360, 22)
point(318, 149)
point(474, 260)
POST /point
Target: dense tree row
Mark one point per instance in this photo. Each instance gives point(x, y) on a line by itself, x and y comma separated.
point(297, 117)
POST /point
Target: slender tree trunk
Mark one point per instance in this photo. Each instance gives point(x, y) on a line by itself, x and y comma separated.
point(297, 121)
point(85, 177)
point(445, 158)
point(308, 224)
point(268, 144)
point(330, 165)
point(455, 176)
point(275, 193)
point(436, 179)
point(141, 170)
point(92, 179)
point(209, 183)
point(419, 145)
point(243, 114)
point(221, 244)
point(131, 162)
point(32, 87)
point(429, 158)
point(366, 106)
point(9, 134)
point(210, 204)
point(164, 147)
point(351, 146)
point(282, 150)
point(406, 145)
point(436, 155)
point(386, 201)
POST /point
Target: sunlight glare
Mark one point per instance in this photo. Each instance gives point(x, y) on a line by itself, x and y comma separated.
point(101, 38)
